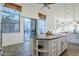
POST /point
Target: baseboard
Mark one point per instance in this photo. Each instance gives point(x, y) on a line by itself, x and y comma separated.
point(13, 44)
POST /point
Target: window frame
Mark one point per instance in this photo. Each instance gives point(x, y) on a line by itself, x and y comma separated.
point(3, 11)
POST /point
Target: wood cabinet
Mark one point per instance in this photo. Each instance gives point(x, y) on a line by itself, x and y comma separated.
point(64, 43)
point(53, 47)
point(59, 46)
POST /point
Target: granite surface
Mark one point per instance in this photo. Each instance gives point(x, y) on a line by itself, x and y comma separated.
point(49, 37)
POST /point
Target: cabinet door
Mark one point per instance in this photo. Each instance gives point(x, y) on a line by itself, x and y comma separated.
point(64, 43)
point(54, 48)
point(59, 46)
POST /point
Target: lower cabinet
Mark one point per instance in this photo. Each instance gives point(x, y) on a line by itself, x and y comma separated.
point(64, 44)
point(50, 47)
point(53, 48)
point(59, 46)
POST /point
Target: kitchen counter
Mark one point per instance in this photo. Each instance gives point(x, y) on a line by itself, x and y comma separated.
point(73, 38)
point(49, 37)
point(53, 45)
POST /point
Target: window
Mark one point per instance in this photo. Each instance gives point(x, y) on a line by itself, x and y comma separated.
point(10, 20)
point(41, 26)
point(41, 23)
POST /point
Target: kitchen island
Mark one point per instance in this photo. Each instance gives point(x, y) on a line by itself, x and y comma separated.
point(51, 45)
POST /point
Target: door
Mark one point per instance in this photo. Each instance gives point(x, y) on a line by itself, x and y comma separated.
point(27, 34)
point(27, 29)
point(33, 27)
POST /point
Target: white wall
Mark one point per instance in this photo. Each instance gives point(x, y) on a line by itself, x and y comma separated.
point(13, 38)
point(57, 12)
point(29, 10)
point(61, 12)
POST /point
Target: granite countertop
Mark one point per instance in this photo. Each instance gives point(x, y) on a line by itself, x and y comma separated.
point(49, 37)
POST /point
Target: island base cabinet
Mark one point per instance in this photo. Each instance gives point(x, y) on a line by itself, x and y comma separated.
point(64, 44)
point(51, 47)
point(59, 46)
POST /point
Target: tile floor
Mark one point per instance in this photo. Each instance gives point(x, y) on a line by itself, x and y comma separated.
point(23, 50)
point(73, 50)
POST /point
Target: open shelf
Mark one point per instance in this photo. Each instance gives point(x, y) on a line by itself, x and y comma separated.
point(40, 50)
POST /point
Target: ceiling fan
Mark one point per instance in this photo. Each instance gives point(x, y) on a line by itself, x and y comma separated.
point(46, 5)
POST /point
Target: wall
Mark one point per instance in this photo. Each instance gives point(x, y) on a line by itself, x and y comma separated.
point(61, 12)
point(13, 38)
point(29, 10)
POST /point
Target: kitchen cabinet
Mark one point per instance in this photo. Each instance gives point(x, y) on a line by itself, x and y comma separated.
point(59, 46)
point(51, 46)
point(73, 38)
point(64, 44)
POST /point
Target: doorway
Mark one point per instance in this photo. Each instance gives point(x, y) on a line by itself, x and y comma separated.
point(27, 35)
point(27, 29)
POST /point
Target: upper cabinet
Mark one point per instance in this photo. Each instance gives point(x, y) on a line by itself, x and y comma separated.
point(69, 12)
point(76, 12)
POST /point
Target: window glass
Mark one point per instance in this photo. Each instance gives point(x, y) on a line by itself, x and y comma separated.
point(10, 16)
point(41, 26)
point(10, 20)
